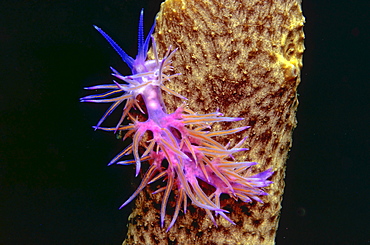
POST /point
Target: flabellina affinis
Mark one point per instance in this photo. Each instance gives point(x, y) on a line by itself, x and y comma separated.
point(181, 149)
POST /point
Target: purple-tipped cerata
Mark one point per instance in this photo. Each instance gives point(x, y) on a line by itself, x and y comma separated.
point(181, 149)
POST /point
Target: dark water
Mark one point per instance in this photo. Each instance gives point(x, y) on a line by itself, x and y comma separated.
point(55, 187)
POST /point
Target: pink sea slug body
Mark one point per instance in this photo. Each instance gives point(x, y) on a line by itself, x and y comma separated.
point(181, 149)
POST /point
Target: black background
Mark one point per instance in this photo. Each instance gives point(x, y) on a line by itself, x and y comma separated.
point(55, 187)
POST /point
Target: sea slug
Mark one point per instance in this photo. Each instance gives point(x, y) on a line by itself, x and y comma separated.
point(179, 147)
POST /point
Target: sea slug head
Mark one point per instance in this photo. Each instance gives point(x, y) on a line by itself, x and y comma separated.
point(139, 64)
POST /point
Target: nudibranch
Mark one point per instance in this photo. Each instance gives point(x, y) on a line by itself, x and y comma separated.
point(179, 147)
